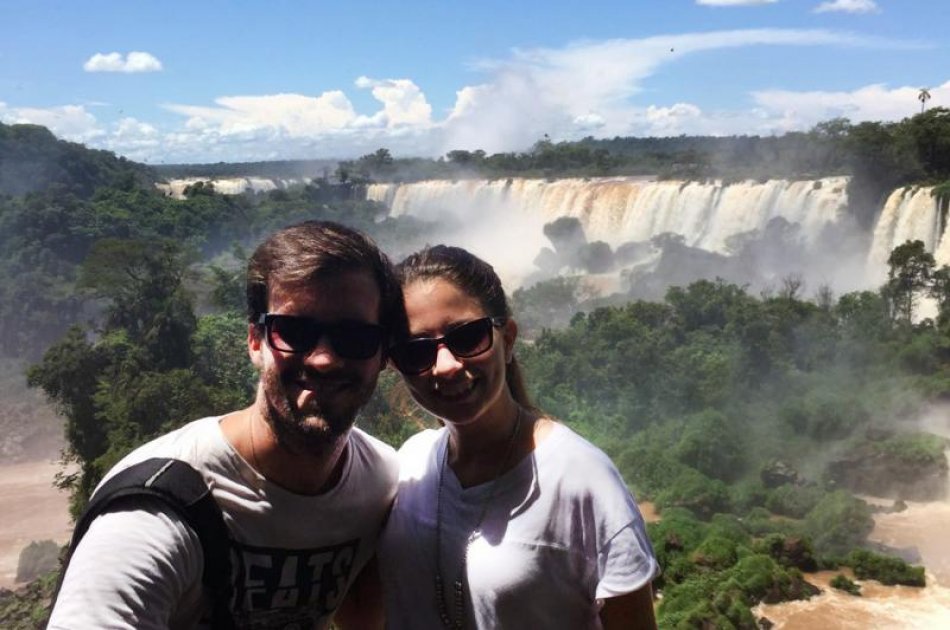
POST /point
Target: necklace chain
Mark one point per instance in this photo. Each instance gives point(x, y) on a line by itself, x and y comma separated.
point(456, 619)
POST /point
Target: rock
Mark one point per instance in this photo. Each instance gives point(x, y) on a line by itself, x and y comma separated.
point(765, 623)
point(778, 473)
point(904, 472)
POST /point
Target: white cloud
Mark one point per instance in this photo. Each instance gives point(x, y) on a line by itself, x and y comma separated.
point(848, 6)
point(135, 61)
point(733, 3)
point(403, 101)
point(292, 115)
point(589, 122)
point(550, 90)
point(71, 122)
point(801, 110)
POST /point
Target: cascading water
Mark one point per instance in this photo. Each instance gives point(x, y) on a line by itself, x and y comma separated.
point(910, 214)
point(618, 210)
point(175, 188)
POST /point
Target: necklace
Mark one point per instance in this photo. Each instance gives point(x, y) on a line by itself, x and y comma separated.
point(456, 620)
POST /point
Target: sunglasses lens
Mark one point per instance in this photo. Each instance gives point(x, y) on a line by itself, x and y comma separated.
point(349, 340)
point(414, 356)
point(470, 339)
point(292, 334)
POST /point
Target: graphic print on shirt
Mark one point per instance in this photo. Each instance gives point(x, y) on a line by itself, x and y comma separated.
point(278, 588)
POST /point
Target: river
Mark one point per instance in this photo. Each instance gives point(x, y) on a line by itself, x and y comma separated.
point(923, 526)
point(30, 509)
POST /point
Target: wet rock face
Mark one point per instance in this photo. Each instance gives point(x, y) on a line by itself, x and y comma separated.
point(880, 469)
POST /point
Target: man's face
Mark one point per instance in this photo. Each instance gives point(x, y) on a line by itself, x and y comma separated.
point(310, 399)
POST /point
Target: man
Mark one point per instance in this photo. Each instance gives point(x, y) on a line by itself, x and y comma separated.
point(303, 494)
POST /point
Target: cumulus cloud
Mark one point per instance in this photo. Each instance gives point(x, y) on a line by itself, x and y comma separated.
point(292, 115)
point(71, 122)
point(848, 6)
point(797, 110)
point(733, 3)
point(551, 91)
point(403, 102)
point(135, 61)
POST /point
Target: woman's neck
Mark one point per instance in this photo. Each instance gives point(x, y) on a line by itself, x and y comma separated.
point(482, 449)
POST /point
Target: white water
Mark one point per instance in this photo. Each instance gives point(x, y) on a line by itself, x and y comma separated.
point(909, 214)
point(175, 188)
point(619, 210)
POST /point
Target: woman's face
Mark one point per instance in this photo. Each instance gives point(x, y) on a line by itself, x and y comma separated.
point(458, 390)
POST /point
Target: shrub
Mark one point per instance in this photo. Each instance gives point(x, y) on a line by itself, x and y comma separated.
point(793, 501)
point(842, 583)
point(838, 523)
point(697, 492)
point(868, 565)
point(715, 552)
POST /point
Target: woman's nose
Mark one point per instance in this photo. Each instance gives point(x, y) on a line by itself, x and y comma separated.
point(445, 362)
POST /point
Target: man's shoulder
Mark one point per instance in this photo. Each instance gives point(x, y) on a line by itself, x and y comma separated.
point(190, 443)
point(374, 453)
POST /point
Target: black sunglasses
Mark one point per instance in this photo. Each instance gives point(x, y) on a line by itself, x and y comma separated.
point(349, 339)
point(415, 356)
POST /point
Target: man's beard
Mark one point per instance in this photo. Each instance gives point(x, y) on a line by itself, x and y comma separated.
point(318, 428)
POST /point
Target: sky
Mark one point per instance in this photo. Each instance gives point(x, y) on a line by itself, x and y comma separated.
point(209, 81)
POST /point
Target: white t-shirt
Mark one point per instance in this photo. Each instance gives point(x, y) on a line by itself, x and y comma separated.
point(293, 556)
point(561, 532)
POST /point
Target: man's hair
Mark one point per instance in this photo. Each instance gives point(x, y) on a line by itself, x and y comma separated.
point(297, 256)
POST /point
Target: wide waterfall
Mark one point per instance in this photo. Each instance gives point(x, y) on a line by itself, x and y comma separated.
point(619, 210)
point(175, 188)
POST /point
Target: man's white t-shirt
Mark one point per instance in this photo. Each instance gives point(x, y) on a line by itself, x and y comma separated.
point(561, 531)
point(293, 556)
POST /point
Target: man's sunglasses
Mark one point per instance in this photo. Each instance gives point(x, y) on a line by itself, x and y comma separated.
point(415, 356)
point(349, 339)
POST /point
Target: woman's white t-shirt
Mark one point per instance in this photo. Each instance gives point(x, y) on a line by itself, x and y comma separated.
point(561, 531)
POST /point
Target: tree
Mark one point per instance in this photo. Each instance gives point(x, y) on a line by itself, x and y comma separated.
point(142, 283)
point(923, 97)
point(909, 276)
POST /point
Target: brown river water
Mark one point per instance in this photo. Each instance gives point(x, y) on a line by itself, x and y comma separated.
point(30, 509)
point(925, 526)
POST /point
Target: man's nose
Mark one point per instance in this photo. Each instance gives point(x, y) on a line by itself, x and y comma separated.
point(322, 355)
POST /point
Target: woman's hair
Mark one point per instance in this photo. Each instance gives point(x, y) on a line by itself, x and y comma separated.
point(474, 277)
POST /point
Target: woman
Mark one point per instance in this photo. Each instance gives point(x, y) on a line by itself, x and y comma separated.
point(505, 518)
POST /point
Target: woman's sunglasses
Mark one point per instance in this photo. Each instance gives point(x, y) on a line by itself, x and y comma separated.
point(415, 356)
point(349, 339)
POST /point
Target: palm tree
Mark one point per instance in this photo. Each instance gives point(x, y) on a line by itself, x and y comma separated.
point(923, 97)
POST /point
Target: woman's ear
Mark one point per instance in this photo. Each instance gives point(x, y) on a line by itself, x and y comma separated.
point(254, 345)
point(510, 333)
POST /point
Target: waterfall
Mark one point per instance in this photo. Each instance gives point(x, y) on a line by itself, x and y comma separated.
point(910, 213)
point(623, 209)
point(175, 188)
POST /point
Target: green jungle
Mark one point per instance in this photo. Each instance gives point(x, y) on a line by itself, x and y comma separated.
point(751, 422)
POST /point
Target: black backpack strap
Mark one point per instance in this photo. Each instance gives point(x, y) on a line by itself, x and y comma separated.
point(182, 488)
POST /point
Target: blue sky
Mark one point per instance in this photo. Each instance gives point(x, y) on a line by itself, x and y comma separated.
point(212, 80)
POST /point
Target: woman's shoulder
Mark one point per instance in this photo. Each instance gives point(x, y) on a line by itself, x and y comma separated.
point(416, 450)
point(580, 462)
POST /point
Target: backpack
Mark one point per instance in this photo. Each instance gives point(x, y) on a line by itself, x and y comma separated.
point(183, 489)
